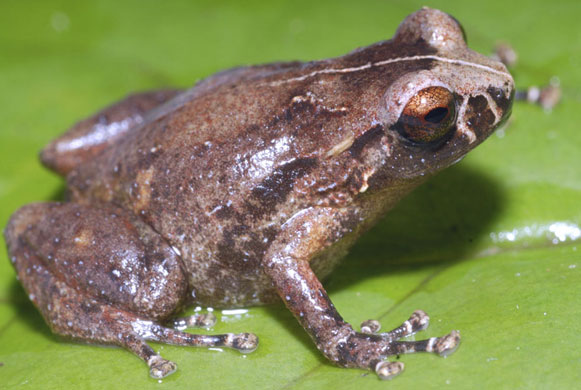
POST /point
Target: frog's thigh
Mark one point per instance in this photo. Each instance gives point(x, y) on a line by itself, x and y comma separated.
point(100, 254)
point(90, 136)
point(102, 275)
point(287, 263)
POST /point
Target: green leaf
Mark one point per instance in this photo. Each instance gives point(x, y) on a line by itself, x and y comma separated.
point(488, 247)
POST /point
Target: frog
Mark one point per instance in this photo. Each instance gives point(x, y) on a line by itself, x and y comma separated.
point(247, 189)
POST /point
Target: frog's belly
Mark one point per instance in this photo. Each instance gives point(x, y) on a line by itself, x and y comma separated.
point(240, 283)
point(225, 286)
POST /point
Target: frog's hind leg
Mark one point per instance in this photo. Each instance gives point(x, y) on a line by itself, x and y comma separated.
point(89, 137)
point(101, 275)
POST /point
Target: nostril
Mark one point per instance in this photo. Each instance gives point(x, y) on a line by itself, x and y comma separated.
point(501, 97)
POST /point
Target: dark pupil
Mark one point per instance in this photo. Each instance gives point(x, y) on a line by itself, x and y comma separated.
point(437, 115)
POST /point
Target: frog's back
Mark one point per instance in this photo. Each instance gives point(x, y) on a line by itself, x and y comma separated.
point(215, 173)
point(189, 170)
point(218, 170)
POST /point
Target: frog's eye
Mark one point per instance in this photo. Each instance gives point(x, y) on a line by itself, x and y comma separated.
point(428, 116)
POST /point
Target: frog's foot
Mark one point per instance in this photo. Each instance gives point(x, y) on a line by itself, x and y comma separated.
point(442, 346)
point(158, 366)
point(546, 97)
point(142, 330)
point(198, 320)
point(103, 276)
point(370, 350)
point(148, 330)
point(418, 321)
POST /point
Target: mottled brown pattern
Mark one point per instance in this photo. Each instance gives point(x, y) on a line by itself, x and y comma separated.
point(248, 188)
point(274, 189)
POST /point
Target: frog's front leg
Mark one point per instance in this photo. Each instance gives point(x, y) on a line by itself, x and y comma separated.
point(287, 263)
point(101, 275)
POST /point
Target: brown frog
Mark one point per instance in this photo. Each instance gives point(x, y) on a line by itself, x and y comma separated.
point(248, 188)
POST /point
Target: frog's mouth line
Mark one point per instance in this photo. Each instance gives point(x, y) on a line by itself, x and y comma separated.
point(387, 62)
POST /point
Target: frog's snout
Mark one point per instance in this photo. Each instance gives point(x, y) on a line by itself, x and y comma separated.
point(482, 113)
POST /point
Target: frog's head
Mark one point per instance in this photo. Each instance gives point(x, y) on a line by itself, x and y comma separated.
point(436, 114)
